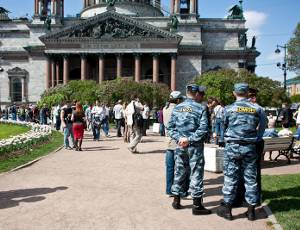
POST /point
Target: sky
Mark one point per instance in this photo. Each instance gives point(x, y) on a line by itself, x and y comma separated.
point(271, 21)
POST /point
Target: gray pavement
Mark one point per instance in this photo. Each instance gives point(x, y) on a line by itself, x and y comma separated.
point(106, 187)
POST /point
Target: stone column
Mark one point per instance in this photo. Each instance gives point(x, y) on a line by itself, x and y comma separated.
point(52, 73)
point(192, 6)
point(36, 7)
point(66, 74)
point(119, 65)
point(57, 72)
point(156, 68)
point(48, 73)
point(101, 68)
point(173, 72)
point(40, 7)
point(83, 67)
point(177, 6)
point(62, 8)
point(172, 7)
point(23, 89)
point(53, 7)
point(137, 67)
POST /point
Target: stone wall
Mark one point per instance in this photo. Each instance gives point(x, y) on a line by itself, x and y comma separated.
point(208, 64)
point(188, 67)
point(220, 41)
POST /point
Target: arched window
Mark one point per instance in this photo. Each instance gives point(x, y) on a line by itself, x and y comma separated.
point(16, 90)
point(18, 84)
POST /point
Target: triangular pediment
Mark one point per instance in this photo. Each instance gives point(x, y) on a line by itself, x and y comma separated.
point(111, 26)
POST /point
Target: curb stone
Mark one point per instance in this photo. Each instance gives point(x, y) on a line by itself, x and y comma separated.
point(31, 162)
point(271, 217)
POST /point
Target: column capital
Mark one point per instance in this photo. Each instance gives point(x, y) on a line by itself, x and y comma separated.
point(100, 55)
point(137, 55)
point(173, 55)
point(155, 55)
point(83, 55)
point(119, 54)
point(66, 56)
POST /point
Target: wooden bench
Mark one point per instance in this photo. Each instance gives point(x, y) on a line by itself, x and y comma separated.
point(283, 145)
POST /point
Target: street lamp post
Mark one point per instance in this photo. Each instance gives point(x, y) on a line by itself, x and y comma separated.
point(283, 66)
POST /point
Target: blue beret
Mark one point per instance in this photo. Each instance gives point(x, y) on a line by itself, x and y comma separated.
point(176, 95)
point(195, 88)
point(241, 88)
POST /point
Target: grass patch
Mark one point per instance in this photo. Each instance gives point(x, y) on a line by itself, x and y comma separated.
point(56, 140)
point(282, 194)
point(7, 130)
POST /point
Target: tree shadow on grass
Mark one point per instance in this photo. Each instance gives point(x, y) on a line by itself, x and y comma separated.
point(13, 198)
point(284, 205)
point(293, 192)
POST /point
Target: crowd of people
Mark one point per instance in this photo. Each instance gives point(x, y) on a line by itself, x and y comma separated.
point(187, 122)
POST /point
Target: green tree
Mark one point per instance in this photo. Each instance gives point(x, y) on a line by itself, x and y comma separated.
point(108, 92)
point(294, 50)
point(220, 85)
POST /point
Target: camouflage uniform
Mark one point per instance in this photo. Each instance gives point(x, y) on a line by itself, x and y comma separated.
point(241, 121)
point(189, 119)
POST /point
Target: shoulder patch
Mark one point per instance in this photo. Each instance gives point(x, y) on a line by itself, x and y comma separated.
point(245, 110)
point(185, 110)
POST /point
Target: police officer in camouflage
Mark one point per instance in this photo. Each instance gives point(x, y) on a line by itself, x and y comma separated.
point(188, 126)
point(244, 125)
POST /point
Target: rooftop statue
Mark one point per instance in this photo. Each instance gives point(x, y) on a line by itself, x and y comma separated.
point(174, 23)
point(110, 3)
point(253, 43)
point(48, 22)
point(3, 10)
point(237, 12)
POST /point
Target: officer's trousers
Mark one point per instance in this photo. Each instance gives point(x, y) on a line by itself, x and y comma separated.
point(189, 161)
point(240, 161)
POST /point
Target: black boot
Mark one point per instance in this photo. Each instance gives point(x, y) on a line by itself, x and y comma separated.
point(198, 208)
point(176, 203)
point(225, 211)
point(251, 212)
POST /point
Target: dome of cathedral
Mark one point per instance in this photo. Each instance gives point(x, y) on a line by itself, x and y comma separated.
point(136, 8)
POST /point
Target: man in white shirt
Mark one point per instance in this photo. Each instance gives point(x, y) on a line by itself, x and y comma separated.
point(118, 111)
point(98, 115)
point(145, 114)
point(135, 119)
point(219, 124)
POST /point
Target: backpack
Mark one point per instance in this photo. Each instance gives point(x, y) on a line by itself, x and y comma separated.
point(137, 118)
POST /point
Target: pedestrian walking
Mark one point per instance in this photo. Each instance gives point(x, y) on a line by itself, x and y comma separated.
point(188, 126)
point(97, 117)
point(67, 125)
point(118, 116)
point(78, 119)
point(146, 115)
point(136, 120)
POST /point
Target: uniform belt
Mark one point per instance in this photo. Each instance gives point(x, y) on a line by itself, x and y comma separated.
point(240, 142)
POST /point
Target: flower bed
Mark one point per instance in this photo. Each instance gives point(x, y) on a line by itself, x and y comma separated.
point(37, 134)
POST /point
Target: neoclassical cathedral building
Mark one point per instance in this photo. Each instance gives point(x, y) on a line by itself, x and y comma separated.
point(116, 38)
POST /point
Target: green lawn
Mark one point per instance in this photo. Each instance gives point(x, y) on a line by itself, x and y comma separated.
point(55, 142)
point(7, 130)
point(282, 194)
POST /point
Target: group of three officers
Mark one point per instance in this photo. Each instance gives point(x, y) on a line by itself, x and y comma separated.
point(244, 122)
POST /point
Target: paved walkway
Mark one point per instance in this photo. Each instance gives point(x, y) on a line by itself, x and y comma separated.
point(106, 187)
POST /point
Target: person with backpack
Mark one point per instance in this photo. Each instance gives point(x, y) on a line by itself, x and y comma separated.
point(136, 120)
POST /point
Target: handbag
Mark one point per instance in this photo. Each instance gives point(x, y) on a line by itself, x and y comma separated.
point(137, 118)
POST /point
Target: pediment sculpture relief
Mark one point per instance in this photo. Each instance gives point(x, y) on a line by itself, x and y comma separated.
point(111, 28)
